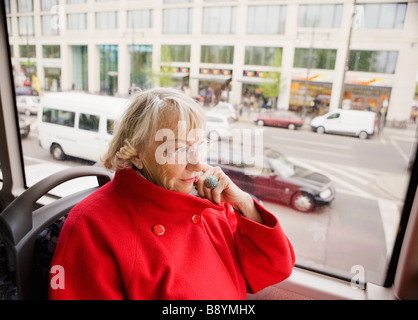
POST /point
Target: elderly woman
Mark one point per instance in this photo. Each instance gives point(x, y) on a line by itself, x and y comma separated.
point(168, 226)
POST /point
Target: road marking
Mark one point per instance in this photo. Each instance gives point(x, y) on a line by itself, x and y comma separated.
point(321, 152)
point(351, 175)
point(350, 187)
point(343, 147)
point(404, 156)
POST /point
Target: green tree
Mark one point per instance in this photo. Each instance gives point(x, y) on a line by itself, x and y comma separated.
point(271, 88)
point(165, 78)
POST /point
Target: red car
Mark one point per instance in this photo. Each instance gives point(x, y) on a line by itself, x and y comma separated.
point(285, 119)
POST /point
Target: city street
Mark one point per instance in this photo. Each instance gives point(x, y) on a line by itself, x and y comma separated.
point(358, 227)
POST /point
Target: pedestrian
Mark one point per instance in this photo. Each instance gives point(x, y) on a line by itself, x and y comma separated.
point(168, 226)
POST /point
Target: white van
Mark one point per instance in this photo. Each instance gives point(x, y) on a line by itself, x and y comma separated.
point(348, 122)
point(78, 124)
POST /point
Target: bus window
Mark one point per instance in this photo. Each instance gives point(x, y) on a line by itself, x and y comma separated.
point(60, 117)
point(89, 122)
point(110, 126)
point(340, 199)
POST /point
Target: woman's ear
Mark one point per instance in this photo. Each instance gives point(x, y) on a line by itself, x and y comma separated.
point(137, 162)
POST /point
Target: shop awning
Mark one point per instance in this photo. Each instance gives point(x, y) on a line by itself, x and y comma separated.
point(213, 77)
point(179, 75)
point(255, 80)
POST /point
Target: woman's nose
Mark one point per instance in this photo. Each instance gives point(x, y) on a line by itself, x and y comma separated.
point(195, 161)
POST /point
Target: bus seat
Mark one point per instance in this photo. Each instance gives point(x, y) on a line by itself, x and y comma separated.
point(27, 232)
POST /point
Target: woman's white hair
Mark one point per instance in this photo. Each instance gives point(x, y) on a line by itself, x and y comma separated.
point(149, 111)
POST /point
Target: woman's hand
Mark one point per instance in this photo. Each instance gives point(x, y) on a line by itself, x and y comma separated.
point(227, 191)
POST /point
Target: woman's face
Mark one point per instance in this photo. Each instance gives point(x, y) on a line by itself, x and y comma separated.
point(175, 159)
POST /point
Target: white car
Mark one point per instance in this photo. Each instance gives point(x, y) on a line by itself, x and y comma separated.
point(227, 109)
point(217, 126)
point(28, 104)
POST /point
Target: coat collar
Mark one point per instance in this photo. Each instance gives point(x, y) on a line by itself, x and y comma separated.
point(145, 193)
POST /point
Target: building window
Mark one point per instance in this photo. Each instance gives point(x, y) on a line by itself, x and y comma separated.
point(7, 2)
point(77, 21)
point(26, 27)
point(217, 54)
point(178, 53)
point(80, 70)
point(52, 81)
point(320, 15)
point(373, 61)
point(9, 26)
point(24, 6)
point(380, 15)
point(141, 65)
point(221, 20)
point(177, 20)
point(138, 19)
point(46, 5)
point(50, 26)
point(107, 20)
point(51, 52)
point(108, 68)
point(26, 51)
point(263, 56)
point(321, 58)
point(266, 19)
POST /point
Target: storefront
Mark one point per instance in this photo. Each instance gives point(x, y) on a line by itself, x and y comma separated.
point(363, 93)
point(52, 79)
point(260, 89)
point(214, 85)
point(314, 93)
point(175, 76)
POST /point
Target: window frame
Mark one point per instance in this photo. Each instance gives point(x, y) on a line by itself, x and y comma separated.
point(305, 282)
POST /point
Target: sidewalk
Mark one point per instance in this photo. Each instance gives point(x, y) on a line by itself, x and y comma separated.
point(395, 185)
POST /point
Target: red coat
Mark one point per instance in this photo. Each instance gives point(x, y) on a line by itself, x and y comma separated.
point(134, 240)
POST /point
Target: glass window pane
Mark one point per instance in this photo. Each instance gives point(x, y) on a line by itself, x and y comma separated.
point(177, 20)
point(266, 19)
point(371, 15)
point(77, 21)
point(26, 27)
point(387, 16)
point(106, 20)
point(400, 15)
point(88, 122)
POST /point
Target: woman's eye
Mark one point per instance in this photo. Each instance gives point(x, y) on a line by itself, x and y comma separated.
point(181, 149)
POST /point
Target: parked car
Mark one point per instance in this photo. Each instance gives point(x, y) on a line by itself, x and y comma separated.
point(284, 119)
point(346, 122)
point(24, 126)
point(279, 180)
point(26, 91)
point(28, 104)
point(227, 109)
point(217, 126)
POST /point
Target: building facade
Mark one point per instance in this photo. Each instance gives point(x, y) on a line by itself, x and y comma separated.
point(308, 56)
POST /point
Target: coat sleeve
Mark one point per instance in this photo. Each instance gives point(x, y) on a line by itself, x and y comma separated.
point(265, 253)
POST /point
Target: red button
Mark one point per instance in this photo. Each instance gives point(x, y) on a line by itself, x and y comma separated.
point(158, 229)
point(196, 218)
